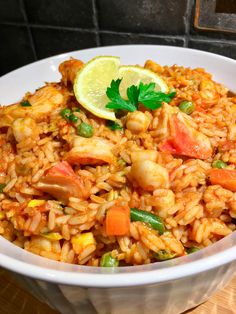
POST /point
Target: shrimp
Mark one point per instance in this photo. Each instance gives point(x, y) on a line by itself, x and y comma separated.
point(92, 151)
point(44, 101)
point(149, 175)
point(137, 122)
point(62, 182)
point(147, 154)
point(69, 69)
point(24, 128)
point(153, 66)
point(178, 136)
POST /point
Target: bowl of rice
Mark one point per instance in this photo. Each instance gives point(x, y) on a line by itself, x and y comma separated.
point(130, 214)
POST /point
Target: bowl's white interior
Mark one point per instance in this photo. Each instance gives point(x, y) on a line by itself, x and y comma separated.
point(14, 85)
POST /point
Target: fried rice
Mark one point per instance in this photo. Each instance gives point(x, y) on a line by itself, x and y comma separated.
point(48, 217)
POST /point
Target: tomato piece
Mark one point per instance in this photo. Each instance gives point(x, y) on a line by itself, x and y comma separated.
point(224, 177)
point(185, 140)
point(61, 168)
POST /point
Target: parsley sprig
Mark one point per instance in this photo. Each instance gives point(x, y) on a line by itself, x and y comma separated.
point(144, 94)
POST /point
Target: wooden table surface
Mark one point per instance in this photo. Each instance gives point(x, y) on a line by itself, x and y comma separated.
point(15, 300)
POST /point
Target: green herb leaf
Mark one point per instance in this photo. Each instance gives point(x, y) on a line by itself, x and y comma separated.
point(152, 99)
point(144, 94)
point(114, 125)
point(192, 249)
point(133, 94)
point(2, 186)
point(25, 103)
point(164, 255)
point(116, 101)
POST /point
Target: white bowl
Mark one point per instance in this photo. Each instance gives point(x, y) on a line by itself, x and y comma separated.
point(167, 287)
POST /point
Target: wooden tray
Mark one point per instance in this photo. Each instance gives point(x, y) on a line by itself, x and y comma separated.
point(14, 300)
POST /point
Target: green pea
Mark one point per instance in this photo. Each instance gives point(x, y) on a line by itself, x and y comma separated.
point(192, 249)
point(25, 103)
point(2, 186)
point(108, 261)
point(220, 164)
point(77, 110)
point(164, 255)
point(65, 113)
point(141, 215)
point(187, 106)
point(73, 118)
point(85, 130)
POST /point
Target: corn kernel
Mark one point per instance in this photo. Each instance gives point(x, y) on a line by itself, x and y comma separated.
point(81, 241)
point(54, 236)
point(35, 203)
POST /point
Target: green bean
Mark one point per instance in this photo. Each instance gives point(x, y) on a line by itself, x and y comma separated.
point(220, 164)
point(141, 215)
point(85, 130)
point(187, 106)
point(108, 261)
point(192, 249)
point(164, 255)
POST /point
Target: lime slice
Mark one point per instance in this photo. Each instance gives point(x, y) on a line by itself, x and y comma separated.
point(92, 80)
point(133, 75)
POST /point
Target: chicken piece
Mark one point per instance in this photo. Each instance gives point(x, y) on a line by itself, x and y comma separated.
point(137, 122)
point(43, 102)
point(62, 183)
point(149, 175)
point(180, 137)
point(24, 128)
point(69, 69)
point(90, 151)
point(147, 154)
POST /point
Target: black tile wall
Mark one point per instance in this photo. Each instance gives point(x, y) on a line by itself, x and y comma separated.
point(11, 11)
point(145, 16)
point(50, 42)
point(34, 29)
point(219, 47)
point(72, 13)
point(109, 38)
point(16, 50)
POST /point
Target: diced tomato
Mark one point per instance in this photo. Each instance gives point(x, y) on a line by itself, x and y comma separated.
point(186, 141)
point(224, 177)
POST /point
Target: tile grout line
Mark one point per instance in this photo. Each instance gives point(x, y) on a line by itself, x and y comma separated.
point(188, 21)
point(48, 26)
point(22, 5)
point(95, 22)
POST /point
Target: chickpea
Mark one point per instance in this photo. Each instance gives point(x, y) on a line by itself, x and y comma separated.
point(149, 175)
point(137, 122)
